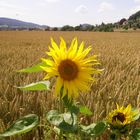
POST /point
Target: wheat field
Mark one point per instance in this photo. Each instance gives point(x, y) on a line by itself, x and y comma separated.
point(119, 54)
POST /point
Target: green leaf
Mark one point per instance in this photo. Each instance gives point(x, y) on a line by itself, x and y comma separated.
point(69, 128)
point(74, 109)
point(70, 118)
point(21, 126)
point(54, 117)
point(57, 130)
point(66, 122)
point(99, 128)
point(69, 123)
point(114, 135)
point(94, 130)
point(67, 102)
point(42, 85)
point(35, 68)
point(136, 134)
point(137, 116)
point(87, 129)
point(84, 110)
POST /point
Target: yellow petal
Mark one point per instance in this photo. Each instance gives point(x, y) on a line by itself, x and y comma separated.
point(48, 61)
point(54, 45)
point(82, 86)
point(58, 86)
point(90, 59)
point(84, 53)
point(72, 44)
point(64, 90)
point(48, 76)
point(117, 106)
point(80, 48)
point(128, 109)
point(73, 51)
point(62, 44)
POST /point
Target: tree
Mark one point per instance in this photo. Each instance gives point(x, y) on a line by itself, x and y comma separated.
point(135, 16)
point(122, 21)
point(55, 29)
point(77, 28)
point(67, 28)
point(125, 27)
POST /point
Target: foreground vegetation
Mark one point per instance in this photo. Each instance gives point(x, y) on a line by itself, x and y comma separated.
point(118, 52)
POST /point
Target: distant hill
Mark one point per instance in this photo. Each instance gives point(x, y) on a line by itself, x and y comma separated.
point(132, 23)
point(135, 16)
point(14, 23)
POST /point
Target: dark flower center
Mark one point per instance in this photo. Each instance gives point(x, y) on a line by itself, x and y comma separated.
point(119, 116)
point(68, 70)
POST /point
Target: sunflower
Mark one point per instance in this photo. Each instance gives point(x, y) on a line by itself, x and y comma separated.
point(71, 67)
point(122, 116)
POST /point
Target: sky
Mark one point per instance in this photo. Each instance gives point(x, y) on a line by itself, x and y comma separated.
point(68, 12)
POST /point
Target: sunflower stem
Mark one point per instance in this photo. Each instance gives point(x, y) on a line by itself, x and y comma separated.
point(61, 109)
point(115, 135)
point(61, 105)
point(60, 135)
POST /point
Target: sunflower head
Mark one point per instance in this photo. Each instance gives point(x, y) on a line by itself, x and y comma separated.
point(71, 66)
point(122, 116)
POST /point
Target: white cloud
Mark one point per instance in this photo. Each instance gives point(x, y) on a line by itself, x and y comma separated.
point(137, 1)
point(135, 9)
point(7, 5)
point(51, 1)
point(105, 7)
point(81, 9)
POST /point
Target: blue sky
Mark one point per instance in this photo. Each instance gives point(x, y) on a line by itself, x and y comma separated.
point(68, 12)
